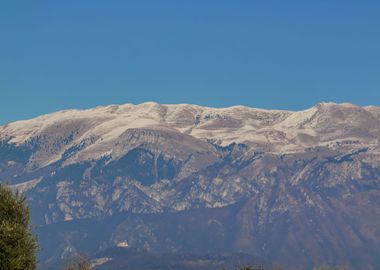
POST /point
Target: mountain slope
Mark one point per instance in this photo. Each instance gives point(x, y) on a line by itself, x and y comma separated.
point(300, 188)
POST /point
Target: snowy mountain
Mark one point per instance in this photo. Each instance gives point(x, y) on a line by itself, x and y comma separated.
point(300, 188)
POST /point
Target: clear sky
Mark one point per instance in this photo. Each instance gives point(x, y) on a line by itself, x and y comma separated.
point(271, 54)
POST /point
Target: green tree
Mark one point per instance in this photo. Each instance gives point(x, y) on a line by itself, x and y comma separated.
point(18, 246)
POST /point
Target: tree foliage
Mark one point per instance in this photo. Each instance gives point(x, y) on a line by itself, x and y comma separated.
point(18, 246)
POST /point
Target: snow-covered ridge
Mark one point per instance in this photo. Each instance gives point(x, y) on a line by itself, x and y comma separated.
point(98, 130)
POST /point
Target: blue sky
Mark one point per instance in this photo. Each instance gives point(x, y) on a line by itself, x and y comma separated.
point(271, 54)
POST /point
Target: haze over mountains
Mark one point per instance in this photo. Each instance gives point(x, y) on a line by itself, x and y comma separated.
point(300, 188)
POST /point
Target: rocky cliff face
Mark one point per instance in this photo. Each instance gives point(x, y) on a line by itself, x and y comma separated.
point(300, 188)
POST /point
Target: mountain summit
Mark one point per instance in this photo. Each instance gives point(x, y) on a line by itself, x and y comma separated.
point(296, 187)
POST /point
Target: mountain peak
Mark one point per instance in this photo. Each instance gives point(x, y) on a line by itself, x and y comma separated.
point(273, 130)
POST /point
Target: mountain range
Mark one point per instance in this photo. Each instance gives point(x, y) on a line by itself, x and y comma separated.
point(299, 188)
